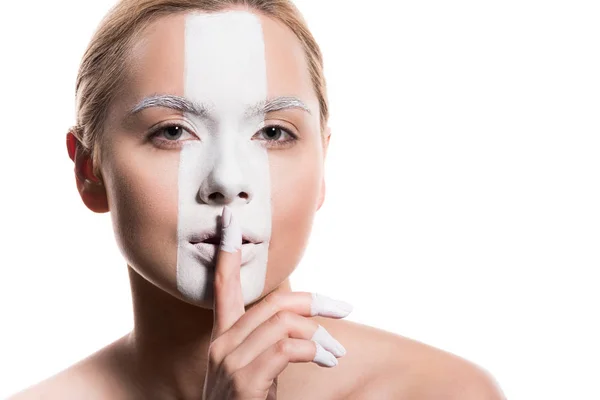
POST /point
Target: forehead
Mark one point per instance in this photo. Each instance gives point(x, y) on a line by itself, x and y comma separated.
point(218, 43)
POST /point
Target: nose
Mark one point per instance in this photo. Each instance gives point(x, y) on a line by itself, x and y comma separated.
point(226, 184)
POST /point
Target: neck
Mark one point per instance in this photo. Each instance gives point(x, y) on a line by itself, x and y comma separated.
point(170, 340)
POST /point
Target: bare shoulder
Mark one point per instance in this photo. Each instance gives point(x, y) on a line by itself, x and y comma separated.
point(94, 377)
point(383, 365)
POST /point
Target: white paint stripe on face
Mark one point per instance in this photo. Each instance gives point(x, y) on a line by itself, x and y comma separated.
point(224, 69)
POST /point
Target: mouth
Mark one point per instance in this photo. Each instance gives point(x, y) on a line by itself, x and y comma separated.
point(207, 245)
point(216, 240)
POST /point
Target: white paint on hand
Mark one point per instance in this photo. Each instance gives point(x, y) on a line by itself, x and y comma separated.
point(231, 239)
point(328, 307)
point(328, 342)
point(323, 357)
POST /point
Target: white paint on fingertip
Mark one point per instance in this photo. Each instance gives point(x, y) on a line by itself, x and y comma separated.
point(231, 235)
point(226, 217)
point(323, 357)
point(327, 307)
point(328, 342)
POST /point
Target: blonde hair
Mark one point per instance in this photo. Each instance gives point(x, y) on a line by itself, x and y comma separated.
point(102, 68)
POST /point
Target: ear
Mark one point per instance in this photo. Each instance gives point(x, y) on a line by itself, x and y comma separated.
point(90, 188)
point(327, 134)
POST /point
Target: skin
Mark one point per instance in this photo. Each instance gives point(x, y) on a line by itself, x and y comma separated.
point(166, 355)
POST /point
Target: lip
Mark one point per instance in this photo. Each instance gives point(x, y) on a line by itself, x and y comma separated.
point(215, 238)
point(208, 251)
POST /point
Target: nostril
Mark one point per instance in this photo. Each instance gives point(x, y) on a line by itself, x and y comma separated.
point(215, 196)
point(220, 198)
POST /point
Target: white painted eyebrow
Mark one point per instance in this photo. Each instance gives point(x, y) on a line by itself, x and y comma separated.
point(276, 104)
point(202, 110)
point(170, 101)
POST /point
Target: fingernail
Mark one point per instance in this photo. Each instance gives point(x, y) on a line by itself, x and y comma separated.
point(226, 216)
point(231, 234)
point(324, 357)
point(328, 307)
point(328, 342)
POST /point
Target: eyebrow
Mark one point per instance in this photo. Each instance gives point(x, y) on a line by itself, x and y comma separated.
point(203, 111)
point(276, 104)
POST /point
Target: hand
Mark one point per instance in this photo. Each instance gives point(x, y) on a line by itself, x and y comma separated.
point(249, 350)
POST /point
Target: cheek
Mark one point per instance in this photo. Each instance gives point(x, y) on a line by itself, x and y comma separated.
point(295, 186)
point(143, 201)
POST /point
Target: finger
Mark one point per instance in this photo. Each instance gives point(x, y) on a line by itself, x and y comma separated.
point(303, 303)
point(273, 361)
point(228, 299)
point(284, 324)
point(272, 394)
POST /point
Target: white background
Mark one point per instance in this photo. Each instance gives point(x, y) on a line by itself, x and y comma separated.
point(462, 203)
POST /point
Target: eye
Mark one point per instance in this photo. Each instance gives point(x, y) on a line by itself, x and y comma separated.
point(169, 135)
point(275, 136)
point(173, 132)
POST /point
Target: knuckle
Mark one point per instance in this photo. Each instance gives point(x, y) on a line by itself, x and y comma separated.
point(217, 351)
point(275, 300)
point(283, 348)
point(214, 354)
point(286, 317)
point(228, 367)
point(274, 319)
point(277, 319)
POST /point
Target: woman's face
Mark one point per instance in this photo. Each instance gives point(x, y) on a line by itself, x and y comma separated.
point(192, 131)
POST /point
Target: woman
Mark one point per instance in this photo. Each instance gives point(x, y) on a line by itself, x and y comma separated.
point(202, 128)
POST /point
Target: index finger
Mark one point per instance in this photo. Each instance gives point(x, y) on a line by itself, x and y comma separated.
point(228, 299)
